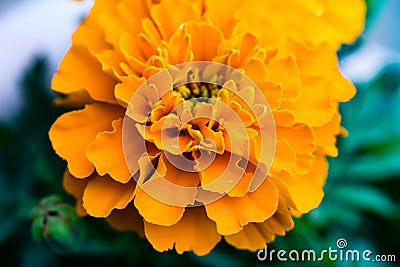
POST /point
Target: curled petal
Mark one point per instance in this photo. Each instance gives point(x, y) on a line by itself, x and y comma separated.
point(150, 201)
point(73, 132)
point(155, 211)
point(130, 14)
point(194, 232)
point(314, 105)
point(301, 139)
point(183, 11)
point(103, 194)
point(170, 185)
point(124, 91)
point(222, 174)
point(242, 187)
point(203, 35)
point(286, 73)
point(90, 34)
point(106, 154)
point(256, 70)
point(255, 236)
point(285, 156)
point(306, 191)
point(127, 219)
point(325, 136)
point(273, 93)
point(231, 213)
point(329, 21)
point(76, 72)
point(222, 14)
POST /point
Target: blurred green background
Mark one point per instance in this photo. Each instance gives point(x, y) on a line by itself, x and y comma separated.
point(361, 203)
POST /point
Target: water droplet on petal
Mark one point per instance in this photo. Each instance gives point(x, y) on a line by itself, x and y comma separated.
point(227, 210)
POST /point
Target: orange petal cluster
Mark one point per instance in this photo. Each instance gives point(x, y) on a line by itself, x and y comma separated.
point(288, 48)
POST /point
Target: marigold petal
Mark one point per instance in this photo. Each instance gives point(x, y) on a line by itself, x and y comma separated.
point(301, 139)
point(255, 144)
point(285, 73)
point(110, 61)
point(306, 191)
point(343, 88)
point(255, 236)
point(339, 21)
point(222, 14)
point(74, 131)
point(284, 118)
point(73, 185)
point(170, 184)
point(244, 115)
point(222, 174)
point(90, 34)
point(141, 105)
point(76, 72)
point(256, 70)
point(273, 94)
point(133, 149)
point(177, 176)
point(106, 154)
point(76, 187)
point(284, 194)
point(309, 58)
point(77, 99)
point(103, 194)
point(310, 63)
point(155, 211)
point(314, 105)
point(242, 187)
point(151, 30)
point(285, 156)
point(138, 47)
point(327, 21)
point(231, 214)
point(252, 237)
point(130, 14)
point(182, 12)
point(204, 39)
point(127, 219)
point(179, 47)
point(124, 91)
point(194, 232)
point(325, 136)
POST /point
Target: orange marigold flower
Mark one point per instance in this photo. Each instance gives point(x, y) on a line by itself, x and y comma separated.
point(203, 119)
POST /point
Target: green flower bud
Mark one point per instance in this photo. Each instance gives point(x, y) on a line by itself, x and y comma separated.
point(56, 224)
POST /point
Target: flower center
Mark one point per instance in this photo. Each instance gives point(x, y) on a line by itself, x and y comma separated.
point(198, 90)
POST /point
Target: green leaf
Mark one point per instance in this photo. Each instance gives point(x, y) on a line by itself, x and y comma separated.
point(373, 116)
point(374, 167)
point(370, 152)
point(364, 198)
